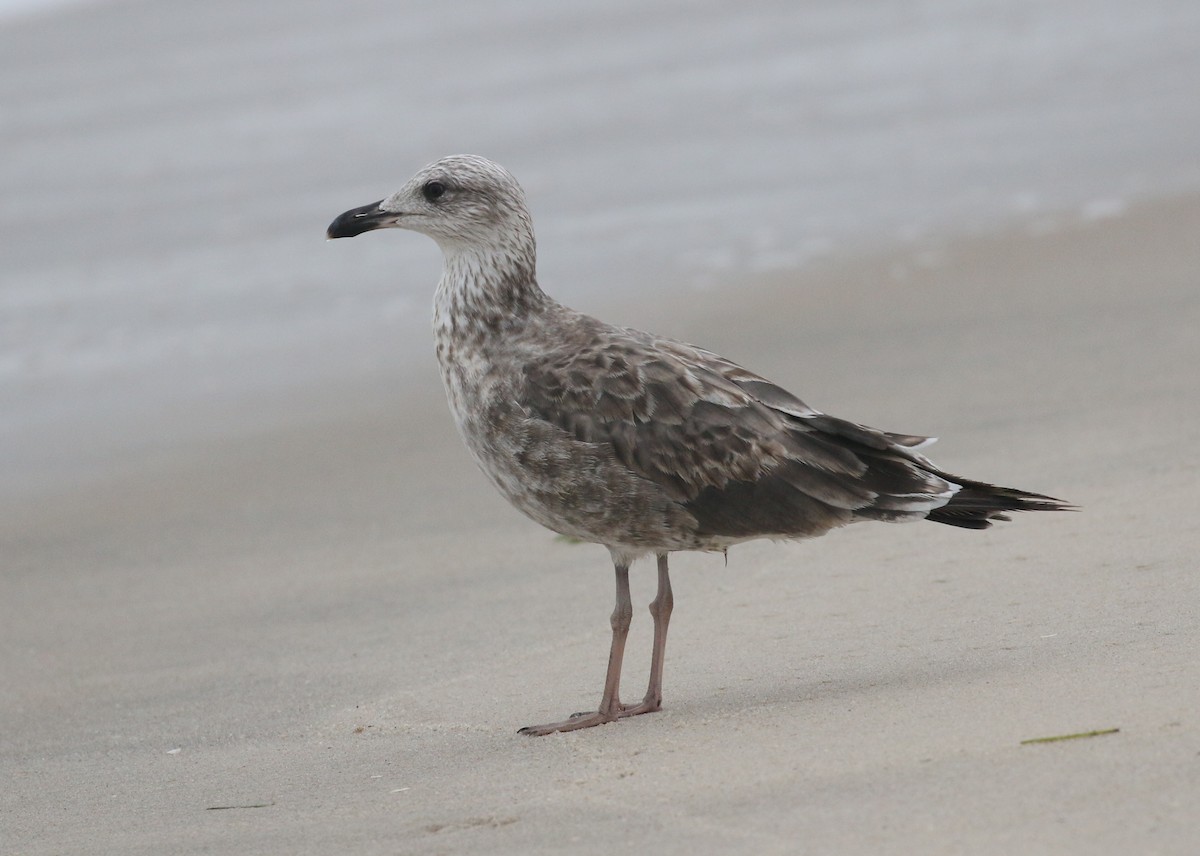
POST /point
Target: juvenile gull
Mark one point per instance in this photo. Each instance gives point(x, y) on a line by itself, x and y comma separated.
point(626, 439)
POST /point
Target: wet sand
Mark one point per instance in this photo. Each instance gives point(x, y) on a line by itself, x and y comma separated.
point(323, 638)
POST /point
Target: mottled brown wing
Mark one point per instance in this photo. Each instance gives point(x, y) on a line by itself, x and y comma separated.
point(743, 455)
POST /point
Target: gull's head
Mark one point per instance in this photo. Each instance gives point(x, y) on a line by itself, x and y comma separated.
point(461, 201)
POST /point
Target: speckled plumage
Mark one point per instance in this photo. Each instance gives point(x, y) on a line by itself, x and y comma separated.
point(639, 443)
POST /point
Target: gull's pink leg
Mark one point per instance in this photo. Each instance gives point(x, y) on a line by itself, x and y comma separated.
point(610, 702)
point(660, 610)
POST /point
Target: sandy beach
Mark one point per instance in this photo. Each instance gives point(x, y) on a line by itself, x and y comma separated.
point(323, 639)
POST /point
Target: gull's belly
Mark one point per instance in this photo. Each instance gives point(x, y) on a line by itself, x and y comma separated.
point(572, 487)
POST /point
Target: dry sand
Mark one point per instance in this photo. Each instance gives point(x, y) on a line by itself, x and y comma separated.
point(323, 640)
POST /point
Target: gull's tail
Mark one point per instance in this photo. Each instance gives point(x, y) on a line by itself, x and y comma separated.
point(977, 504)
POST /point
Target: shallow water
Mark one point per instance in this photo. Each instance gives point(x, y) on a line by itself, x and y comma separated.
point(169, 168)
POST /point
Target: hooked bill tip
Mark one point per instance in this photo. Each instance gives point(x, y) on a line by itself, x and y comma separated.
point(356, 221)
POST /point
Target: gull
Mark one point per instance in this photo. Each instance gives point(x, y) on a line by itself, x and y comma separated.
point(639, 443)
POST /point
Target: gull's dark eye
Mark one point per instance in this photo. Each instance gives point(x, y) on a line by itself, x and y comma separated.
point(433, 190)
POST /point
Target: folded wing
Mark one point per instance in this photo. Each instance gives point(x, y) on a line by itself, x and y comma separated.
point(744, 456)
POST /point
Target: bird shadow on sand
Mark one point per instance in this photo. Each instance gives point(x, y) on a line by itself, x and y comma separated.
point(876, 685)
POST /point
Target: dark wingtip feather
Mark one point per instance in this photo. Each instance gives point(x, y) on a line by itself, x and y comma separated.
point(978, 504)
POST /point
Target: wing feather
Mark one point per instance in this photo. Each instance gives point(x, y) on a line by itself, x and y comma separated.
point(743, 455)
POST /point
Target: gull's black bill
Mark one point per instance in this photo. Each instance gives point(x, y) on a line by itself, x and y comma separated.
point(358, 220)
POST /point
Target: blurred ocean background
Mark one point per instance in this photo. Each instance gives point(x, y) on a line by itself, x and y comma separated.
point(168, 169)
